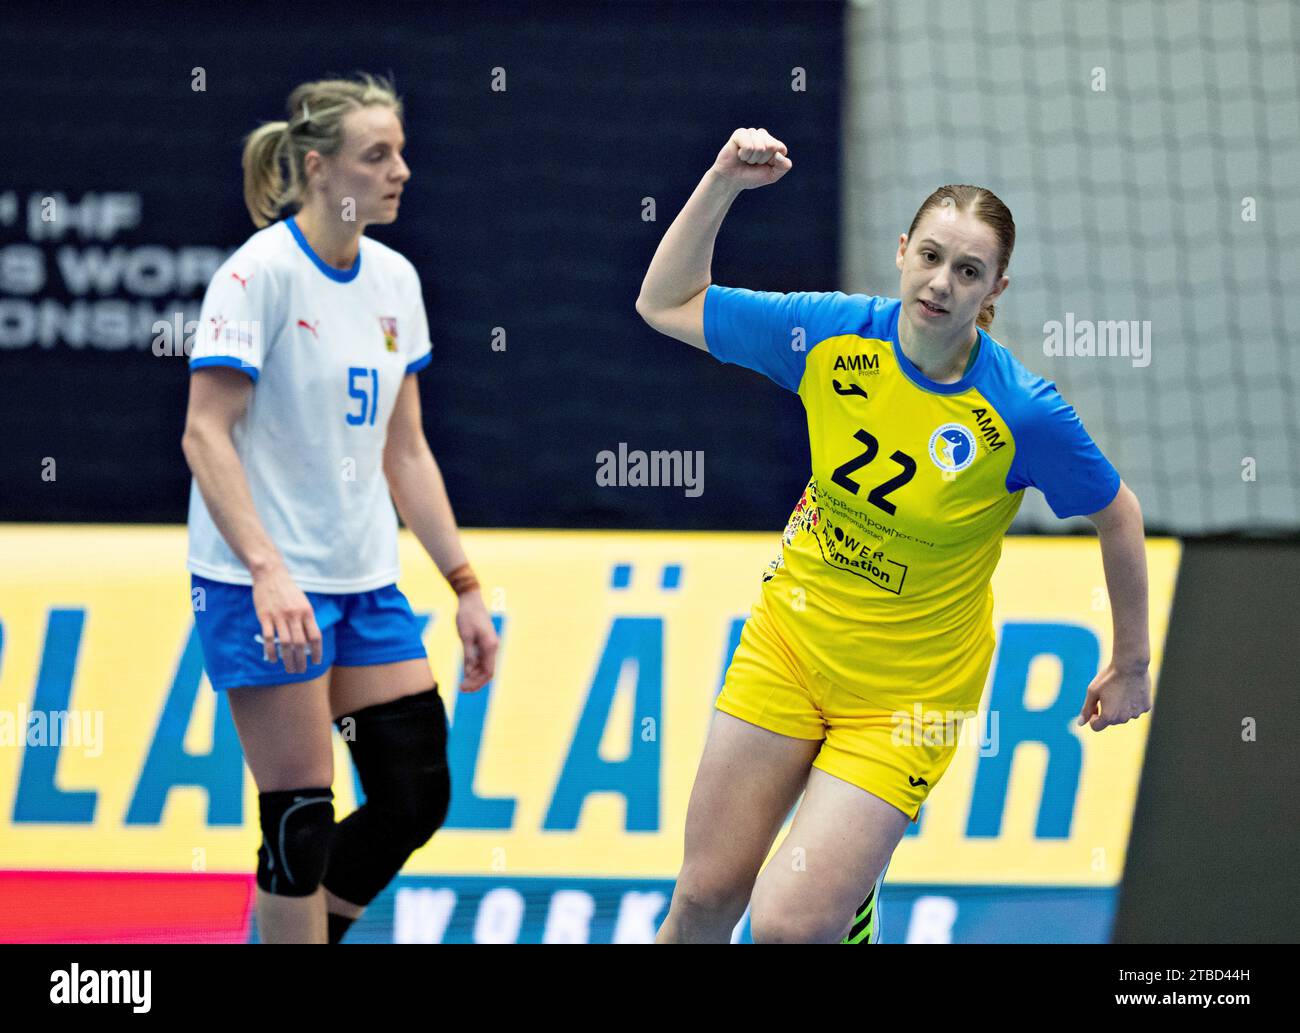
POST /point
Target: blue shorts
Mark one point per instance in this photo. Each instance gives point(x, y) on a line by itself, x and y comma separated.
point(357, 629)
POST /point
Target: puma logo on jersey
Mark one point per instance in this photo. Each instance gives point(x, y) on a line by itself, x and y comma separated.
point(243, 280)
point(310, 326)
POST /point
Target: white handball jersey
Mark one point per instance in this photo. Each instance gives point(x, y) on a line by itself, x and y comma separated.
point(327, 350)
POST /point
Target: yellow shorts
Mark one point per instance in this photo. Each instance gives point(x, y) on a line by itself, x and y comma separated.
point(892, 751)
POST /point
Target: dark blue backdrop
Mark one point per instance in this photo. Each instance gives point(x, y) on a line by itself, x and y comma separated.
point(524, 212)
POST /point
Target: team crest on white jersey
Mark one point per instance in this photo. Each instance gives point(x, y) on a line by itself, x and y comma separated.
point(389, 325)
point(952, 447)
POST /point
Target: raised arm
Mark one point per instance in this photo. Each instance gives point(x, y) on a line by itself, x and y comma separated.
point(672, 293)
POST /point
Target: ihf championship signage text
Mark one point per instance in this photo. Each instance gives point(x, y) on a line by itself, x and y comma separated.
point(66, 279)
point(571, 771)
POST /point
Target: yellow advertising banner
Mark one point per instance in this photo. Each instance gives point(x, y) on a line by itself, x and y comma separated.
point(578, 760)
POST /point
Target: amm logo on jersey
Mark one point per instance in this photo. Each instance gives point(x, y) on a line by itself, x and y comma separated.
point(992, 436)
point(866, 364)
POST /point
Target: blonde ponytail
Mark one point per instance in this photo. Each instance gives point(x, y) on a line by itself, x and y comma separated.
point(275, 153)
point(264, 189)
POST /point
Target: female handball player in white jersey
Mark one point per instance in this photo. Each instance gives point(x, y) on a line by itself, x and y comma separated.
point(924, 432)
point(304, 415)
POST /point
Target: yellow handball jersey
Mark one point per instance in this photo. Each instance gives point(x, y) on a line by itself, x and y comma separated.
point(883, 582)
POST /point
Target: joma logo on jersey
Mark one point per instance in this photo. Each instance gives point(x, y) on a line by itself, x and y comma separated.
point(389, 326)
point(988, 428)
point(858, 363)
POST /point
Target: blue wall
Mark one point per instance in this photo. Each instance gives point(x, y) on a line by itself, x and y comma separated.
point(524, 212)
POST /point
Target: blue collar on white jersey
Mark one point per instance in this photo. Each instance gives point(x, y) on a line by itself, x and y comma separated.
point(338, 275)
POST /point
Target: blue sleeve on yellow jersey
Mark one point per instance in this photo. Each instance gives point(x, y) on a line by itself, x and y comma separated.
point(1054, 453)
point(759, 329)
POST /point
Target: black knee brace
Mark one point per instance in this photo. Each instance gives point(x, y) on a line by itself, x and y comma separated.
point(400, 751)
point(297, 830)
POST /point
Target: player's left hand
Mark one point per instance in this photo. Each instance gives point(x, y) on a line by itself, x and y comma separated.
point(479, 639)
point(1116, 696)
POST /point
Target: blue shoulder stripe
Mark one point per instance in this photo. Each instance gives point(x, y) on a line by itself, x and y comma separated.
point(225, 360)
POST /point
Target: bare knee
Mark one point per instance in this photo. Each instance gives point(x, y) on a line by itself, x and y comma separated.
point(704, 897)
point(774, 920)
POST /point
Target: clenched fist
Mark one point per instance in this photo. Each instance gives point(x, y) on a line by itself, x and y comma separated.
point(752, 158)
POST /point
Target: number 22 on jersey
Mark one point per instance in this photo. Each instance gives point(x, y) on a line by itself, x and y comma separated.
point(879, 492)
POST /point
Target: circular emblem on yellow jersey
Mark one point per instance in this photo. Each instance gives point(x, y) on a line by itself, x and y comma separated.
point(952, 447)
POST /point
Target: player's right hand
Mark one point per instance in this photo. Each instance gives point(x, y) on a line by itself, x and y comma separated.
point(752, 158)
point(288, 621)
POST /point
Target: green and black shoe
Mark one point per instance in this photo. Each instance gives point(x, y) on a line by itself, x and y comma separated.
point(866, 922)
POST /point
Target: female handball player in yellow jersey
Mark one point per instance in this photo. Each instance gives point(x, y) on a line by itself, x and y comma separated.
point(924, 433)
